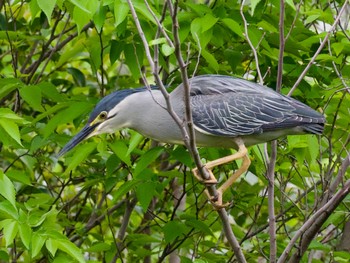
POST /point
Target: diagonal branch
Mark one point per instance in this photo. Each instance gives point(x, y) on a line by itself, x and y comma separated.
point(324, 41)
point(188, 130)
point(315, 221)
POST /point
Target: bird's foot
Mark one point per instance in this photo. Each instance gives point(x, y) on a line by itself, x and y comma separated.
point(211, 180)
point(216, 201)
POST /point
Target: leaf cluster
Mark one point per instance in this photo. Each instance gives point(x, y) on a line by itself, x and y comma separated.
point(127, 198)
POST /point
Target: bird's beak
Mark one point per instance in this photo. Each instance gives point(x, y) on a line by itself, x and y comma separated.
point(85, 133)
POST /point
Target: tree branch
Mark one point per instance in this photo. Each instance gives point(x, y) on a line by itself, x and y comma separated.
point(316, 221)
point(324, 41)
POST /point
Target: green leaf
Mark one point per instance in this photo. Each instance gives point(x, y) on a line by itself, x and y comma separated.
point(83, 5)
point(145, 192)
point(32, 95)
point(121, 10)
point(47, 6)
point(147, 158)
point(8, 210)
point(125, 188)
point(115, 51)
point(49, 91)
point(79, 156)
point(233, 26)
point(51, 246)
point(71, 249)
point(10, 229)
point(7, 189)
point(4, 256)
point(8, 85)
point(134, 59)
point(78, 76)
point(135, 140)
point(253, 4)
point(211, 60)
point(11, 129)
point(81, 16)
point(121, 150)
point(181, 154)
point(25, 232)
point(99, 247)
point(9, 114)
point(167, 50)
point(199, 225)
point(37, 243)
point(207, 22)
point(157, 41)
point(313, 147)
point(100, 17)
point(174, 229)
point(74, 110)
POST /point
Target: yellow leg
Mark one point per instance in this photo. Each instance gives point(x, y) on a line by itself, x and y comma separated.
point(241, 154)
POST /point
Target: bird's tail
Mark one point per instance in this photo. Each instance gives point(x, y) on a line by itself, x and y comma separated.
point(314, 128)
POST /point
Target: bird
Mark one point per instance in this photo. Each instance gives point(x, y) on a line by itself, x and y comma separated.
point(227, 112)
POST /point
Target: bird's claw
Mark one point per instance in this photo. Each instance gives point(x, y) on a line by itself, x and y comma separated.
point(216, 201)
point(211, 180)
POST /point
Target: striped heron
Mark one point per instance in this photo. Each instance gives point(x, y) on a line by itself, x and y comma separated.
point(227, 112)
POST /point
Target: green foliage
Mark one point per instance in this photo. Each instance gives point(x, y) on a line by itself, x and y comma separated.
point(127, 198)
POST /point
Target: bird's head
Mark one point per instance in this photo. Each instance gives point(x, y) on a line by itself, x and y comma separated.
point(108, 116)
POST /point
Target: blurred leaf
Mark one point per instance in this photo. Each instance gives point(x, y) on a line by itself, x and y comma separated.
point(199, 225)
point(174, 229)
point(121, 150)
point(25, 232)
point(8, 85)
point(8, 210)
point(135, 140)
point(125, 188)
point(145, 193)
point(37, 243)
point(48, 90)
point(147, 159)
point(100, 17)
point(32, 95)
point(69, 248)
point(7, 189)
point(4, 256)
point(115, 51)
point(121, 10)
point(80, 154)
point(11, 128)
point(47, 6)
point(74, 110)
point(233, 26)
point(98, 247)
point(51, 245)
point(9, 229)
point(167, 50)
point(253, 4)
point(78, 76)
point(133, 59)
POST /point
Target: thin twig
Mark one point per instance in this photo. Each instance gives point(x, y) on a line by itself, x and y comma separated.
point(189, 141)
point(193, 149)
point(326, 210)
point(246, 34)
point(324, 41)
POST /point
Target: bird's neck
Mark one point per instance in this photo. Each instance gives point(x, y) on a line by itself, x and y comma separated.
point(151, 117)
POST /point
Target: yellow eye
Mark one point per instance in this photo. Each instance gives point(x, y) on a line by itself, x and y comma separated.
point(103, 115)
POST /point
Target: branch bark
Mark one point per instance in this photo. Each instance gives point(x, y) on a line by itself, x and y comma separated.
point(310, 228)
point(324, 41)
point(186, 130)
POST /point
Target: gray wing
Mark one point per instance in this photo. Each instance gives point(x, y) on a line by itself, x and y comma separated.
point(233, 107)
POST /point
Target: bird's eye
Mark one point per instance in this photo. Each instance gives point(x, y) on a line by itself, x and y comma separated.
point(103, 115)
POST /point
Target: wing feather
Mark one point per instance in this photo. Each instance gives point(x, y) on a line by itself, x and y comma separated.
point(235, 107)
